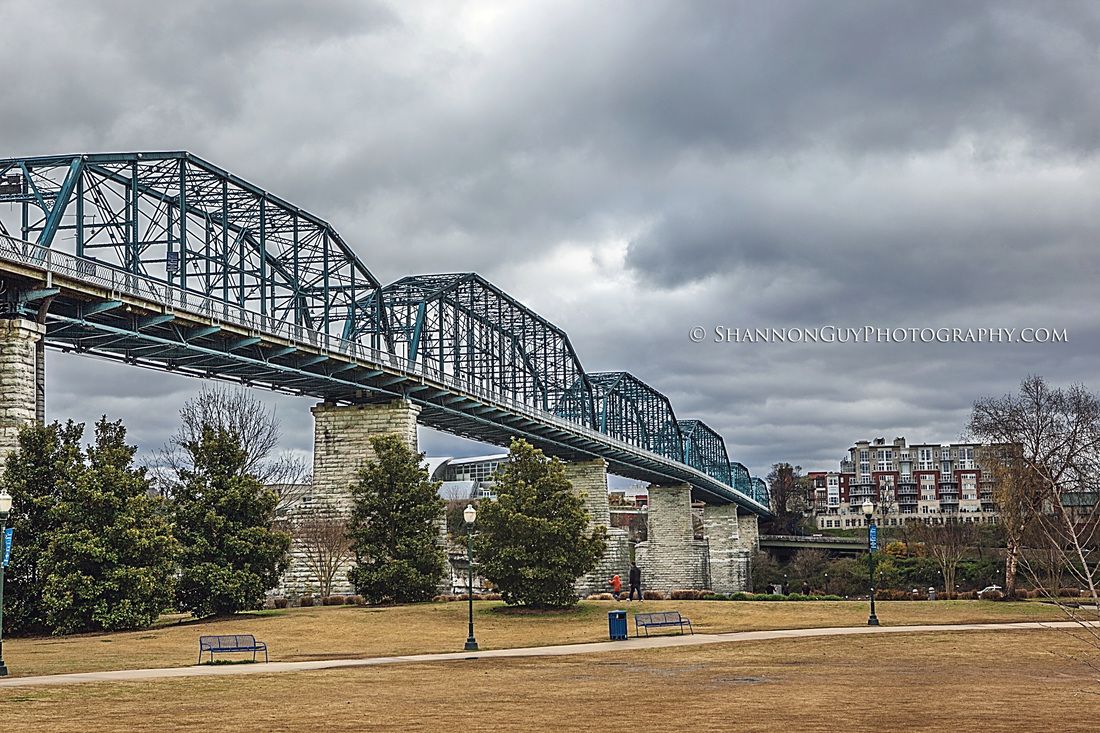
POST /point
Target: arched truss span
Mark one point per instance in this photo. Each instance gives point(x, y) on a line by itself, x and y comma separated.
point(462, 325)
point(760, 491)
point(177, 218)
point(740, 478)
point(630, 410)
point(180, 220)
point(705, 450)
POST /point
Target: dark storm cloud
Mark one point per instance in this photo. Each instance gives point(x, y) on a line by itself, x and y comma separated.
point(633, 170)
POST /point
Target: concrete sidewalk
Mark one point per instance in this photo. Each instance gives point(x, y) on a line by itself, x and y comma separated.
point(654, 642)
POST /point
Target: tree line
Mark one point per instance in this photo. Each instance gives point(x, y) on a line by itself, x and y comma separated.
point(99, 548)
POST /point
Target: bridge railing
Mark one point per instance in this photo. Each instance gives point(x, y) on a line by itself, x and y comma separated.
point(171, 298)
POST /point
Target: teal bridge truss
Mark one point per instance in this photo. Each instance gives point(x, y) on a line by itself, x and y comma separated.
point(166, 261)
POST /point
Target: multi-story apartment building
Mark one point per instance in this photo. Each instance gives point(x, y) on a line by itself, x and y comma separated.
point(926, 482)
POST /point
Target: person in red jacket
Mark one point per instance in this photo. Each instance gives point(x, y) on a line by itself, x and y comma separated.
point(616, 586)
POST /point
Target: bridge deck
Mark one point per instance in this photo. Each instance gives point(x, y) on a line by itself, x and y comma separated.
point(103, 311)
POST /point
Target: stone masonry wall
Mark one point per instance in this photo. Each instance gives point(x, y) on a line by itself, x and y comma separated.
point(589, 479)
point(748, 527)
point(341, 442)
point(18, 338)
point(671, 557)
point(730, 558)
point(341, 445)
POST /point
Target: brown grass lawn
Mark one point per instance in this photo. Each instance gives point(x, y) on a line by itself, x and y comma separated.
point(347, 631)
point(953, 681)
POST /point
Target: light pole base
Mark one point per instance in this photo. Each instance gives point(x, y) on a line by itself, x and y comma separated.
point(471, 644)
point(872, 620)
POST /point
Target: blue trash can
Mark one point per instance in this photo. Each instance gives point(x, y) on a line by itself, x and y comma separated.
point(616, 625)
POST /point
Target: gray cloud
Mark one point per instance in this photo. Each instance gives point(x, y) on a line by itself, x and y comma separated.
point(633, 170)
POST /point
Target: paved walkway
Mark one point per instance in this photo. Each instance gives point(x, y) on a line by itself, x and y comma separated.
point(655, 642)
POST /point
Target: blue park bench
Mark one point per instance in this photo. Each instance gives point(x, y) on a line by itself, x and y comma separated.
point(231, 643)
point(655, 620)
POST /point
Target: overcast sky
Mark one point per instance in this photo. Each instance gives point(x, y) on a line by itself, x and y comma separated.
point(632, 170)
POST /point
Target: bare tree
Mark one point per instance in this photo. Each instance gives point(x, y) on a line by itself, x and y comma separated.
point(809, 566)
point(1018, 495)
point(1058, 437)
point(321, 535)
point(238, 411)
point(1057, 432)
point(947, 543)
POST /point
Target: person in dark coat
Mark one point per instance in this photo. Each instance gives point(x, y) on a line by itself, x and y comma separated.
point(635, 582)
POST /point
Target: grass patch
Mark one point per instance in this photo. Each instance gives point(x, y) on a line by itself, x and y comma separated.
point(333, 632)
point(798, 685)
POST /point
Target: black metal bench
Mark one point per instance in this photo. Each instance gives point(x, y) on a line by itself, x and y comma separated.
point(656, 620)
point(231, 643)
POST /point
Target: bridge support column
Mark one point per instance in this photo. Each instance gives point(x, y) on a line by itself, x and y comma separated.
point(748, 526)
point(341, 442)
point(18, 364)
point(341, 445)
point(733, 540)
point(589, 479)
point(671, 558)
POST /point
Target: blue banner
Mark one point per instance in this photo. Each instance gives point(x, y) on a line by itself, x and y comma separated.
point(874, 537)
point(7, 545)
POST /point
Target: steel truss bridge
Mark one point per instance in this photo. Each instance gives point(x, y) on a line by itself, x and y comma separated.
point(166, 261)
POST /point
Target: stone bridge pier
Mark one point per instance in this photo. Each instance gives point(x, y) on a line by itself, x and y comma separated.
point(20, 368)
point(672, 558)
point(341, 445)
point(589, 479)
point(732, 539)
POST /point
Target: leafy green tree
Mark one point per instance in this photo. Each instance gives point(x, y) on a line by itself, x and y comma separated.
point(917, 572)
point(533, 542)
point(848, 576)
point(229, 554)
point(887, 574)
point(394, 526)
point(110, 560)
point(47, 459)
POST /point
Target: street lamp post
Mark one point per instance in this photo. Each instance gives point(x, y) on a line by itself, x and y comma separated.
point(470, 515)
point(5, 509)
point(869, 512)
